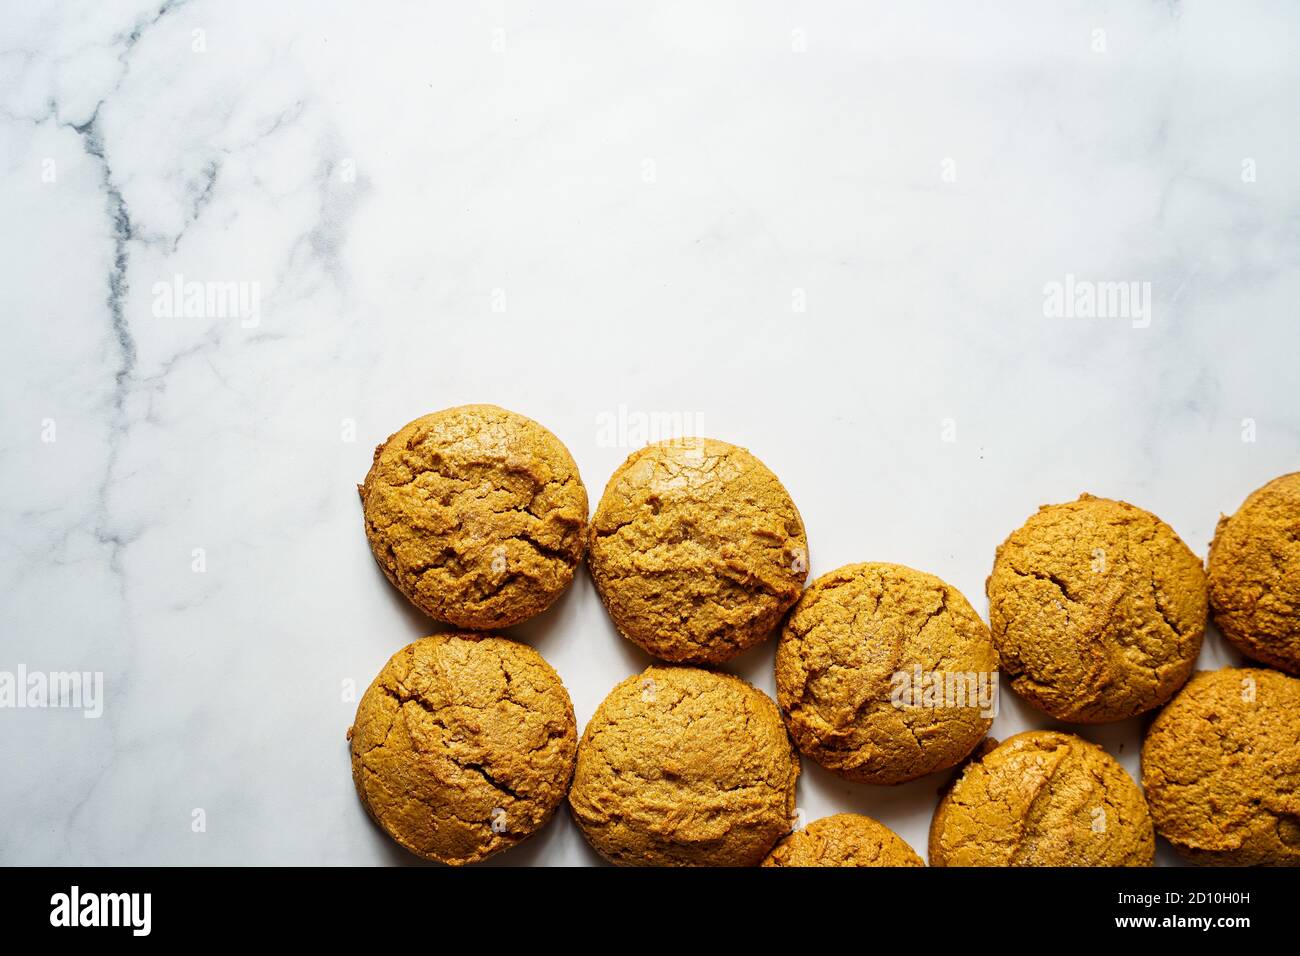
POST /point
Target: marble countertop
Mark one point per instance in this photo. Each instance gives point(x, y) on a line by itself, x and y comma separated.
point(244, 242)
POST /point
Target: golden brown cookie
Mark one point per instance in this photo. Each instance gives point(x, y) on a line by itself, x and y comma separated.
point(696, 550)
point(1255, 575)
point(464, 745)
point(476, 514)
point(1097, 610)
point(1042, 798)
point(885, 674)
point(684, 767)
point(1221, 768)
point(845, 839)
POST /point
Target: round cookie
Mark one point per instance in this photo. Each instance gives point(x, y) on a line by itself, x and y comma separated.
point(845, 839)
point(1221, 768)
point(684, 767)
point(1255, 575)
point(885, 674)
point(476, 514)
point(464, 745)
point(696, 550)
point(1097, 610)
point(1042, 798)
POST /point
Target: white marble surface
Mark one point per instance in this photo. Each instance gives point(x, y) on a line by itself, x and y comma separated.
point(565, 209)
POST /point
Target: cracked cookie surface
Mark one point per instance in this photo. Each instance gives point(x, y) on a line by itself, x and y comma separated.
point(845, 839)
point(1097, 610)
point(476, 514)
point(464, 745)
point(697, 550)
point(1042, 798)
point(681, 766)
point(853, 630)
point(1255, 575)
point(1221, 768)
